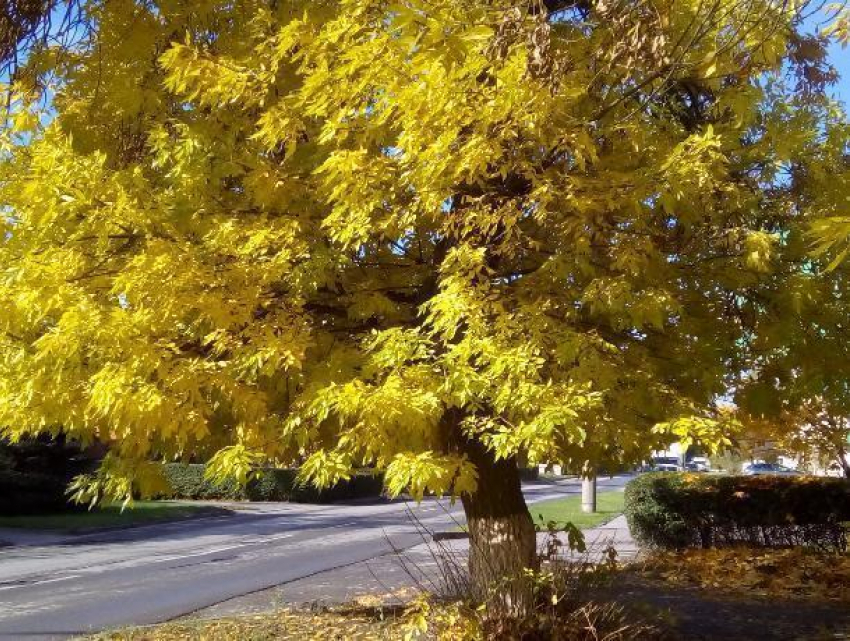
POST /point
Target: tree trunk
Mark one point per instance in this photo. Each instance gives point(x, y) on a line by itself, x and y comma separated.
point(502, 540)
point(588, 490)
point(842, 460)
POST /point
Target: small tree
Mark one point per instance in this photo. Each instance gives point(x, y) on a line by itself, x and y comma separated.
point(822, 440)
point(816, 435)
point(429, 236)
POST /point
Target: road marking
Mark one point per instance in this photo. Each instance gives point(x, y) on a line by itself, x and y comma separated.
point(112, 565)
point(218, 550)
point(28, 584)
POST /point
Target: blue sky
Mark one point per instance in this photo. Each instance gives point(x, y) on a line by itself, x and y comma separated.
point(841, 59)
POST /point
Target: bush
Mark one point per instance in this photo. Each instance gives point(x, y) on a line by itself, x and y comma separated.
point(188, 482)
point(31, 493)
point(529, 473)
point(675, 511)
point(559, 596)
point(270, 484)
point(35, 473)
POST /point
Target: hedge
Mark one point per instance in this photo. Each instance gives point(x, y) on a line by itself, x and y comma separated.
point(680, 510)
point(529, 473)
point(270, 484)
point(22, 493)
point(35, 472)
point(188, 482)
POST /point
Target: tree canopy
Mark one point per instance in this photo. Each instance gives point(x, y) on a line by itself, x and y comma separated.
point(370, 232)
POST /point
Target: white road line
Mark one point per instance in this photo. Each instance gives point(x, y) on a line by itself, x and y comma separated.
point(148, 560)
point(29, 584)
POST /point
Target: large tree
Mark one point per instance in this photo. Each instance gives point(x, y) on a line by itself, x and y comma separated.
point(429, 236)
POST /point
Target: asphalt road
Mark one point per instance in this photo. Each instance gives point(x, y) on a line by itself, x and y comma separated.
point(154, 573)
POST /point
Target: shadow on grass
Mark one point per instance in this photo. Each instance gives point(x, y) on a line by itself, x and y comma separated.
point(110, 517)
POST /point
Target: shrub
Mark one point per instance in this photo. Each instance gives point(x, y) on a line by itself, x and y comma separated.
point(31, 493)
point(187, 482)
point(273, 484)
point(529, 473)
point(676, 511)
point(270, 484)
point(35, 473)
point(560, 596)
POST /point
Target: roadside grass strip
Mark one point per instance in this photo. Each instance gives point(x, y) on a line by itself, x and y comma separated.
point(568, 510)
point(108, 516)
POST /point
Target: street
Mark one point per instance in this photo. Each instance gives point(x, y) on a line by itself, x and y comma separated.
point(154, 573)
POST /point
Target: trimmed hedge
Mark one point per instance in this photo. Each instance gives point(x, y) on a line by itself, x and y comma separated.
point(529, 473)
point(188, 482)
point(35, 473)
point(32, 493)
point(271, 484)
point(680, 510)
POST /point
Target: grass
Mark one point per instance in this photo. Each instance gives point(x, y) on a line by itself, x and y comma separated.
point(109, 515)
point(608, 505)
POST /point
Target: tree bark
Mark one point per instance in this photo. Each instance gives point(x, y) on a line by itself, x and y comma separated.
point(502, 540)
point(588, 491)
point(842, 461)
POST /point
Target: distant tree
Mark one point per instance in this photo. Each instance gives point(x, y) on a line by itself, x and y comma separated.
point(815, 434)
point(430, 236)
point(820, 439)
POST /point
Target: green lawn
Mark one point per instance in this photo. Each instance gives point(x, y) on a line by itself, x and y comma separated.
point(608, 505)
point(109, 516)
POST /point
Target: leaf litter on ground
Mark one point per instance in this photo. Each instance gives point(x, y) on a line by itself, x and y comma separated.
point(784, 573)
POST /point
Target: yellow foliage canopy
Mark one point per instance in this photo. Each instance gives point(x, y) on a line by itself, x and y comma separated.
point(302, 231)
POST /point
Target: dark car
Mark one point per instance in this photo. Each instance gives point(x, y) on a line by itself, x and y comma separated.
point(756, 469)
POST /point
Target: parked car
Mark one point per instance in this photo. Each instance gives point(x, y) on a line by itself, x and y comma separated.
point(698, 464)
point(665, 464)
point(755, 469)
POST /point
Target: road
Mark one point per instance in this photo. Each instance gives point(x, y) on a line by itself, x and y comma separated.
point(157, 572)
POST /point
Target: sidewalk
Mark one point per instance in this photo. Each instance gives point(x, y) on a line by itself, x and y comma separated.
point(395, 577)
point(617, 533)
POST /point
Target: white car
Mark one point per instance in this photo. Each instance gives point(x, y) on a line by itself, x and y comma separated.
point(698, 464)
point(665, 464)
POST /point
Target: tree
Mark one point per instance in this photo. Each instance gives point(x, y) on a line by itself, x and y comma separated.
point(427, 236)
point(819, 437)
point(814, 432)
point(794, 386)
point(26, 25)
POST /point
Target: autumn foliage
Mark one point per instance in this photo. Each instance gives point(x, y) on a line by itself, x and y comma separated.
point(433, 237)
point(796, 573)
